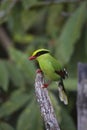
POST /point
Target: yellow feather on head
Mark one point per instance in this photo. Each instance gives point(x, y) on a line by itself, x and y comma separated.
point(39, 50)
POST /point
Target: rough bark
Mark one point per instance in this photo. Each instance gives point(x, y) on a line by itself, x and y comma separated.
point(45, 104)
point(82, 97)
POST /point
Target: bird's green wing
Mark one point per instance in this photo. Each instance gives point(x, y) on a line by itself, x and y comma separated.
point(58, 68)
point(56, 64)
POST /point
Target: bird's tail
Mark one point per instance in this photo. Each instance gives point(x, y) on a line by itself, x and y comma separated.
point(62, 93)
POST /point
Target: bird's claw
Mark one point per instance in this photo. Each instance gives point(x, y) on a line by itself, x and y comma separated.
point(45, 85)
point(38, 71)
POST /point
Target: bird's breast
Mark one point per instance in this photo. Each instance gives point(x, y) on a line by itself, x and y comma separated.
point(49, 71)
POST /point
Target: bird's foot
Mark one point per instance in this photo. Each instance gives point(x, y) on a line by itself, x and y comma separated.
point(38, 71)
point(45, 85)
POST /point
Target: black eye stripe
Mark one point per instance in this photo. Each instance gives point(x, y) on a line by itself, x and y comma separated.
point(41, 52)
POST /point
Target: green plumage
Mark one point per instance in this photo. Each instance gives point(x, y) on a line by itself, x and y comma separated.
point(51, 69)
point(49, 65)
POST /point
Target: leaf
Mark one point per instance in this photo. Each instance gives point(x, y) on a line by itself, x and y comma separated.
point(71, 7)
point(28, 3)
point(77, 56)
point(24, 64)
point(53, 22)
point(6, 4)
point(33, 18)
point(70, 84)
point(17, 100)
point(5, 8)
point(5, 126)
point(14, 20)
point(86, 42)
point(71, 33)
point(24, 39)
point(30, 118)
point(4, 77)
point(67, 122)
point(15, 75)
point(28, 18)
point(56, 105)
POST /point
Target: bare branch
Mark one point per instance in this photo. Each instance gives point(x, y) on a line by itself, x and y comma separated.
point(46, 107)
point(4, 12)
point(52, 2)
point(66, 14)
point(5, 40)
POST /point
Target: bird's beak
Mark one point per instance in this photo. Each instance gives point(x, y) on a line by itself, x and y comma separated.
point(32, 57)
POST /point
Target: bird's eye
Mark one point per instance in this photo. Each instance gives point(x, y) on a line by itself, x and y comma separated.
point(38, 54)
point(41, 53)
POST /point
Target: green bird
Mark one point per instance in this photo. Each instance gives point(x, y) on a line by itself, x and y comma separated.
point(52, 69)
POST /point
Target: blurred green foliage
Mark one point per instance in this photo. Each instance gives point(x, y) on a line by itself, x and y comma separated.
point(32, 24)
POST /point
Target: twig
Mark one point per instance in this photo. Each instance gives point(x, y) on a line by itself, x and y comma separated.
point(5, 40)
point(45, 104)
point(66, 14)
point(53, 2)
point(3, 12)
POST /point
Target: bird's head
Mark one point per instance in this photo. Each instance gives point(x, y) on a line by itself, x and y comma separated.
point(38, 53)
